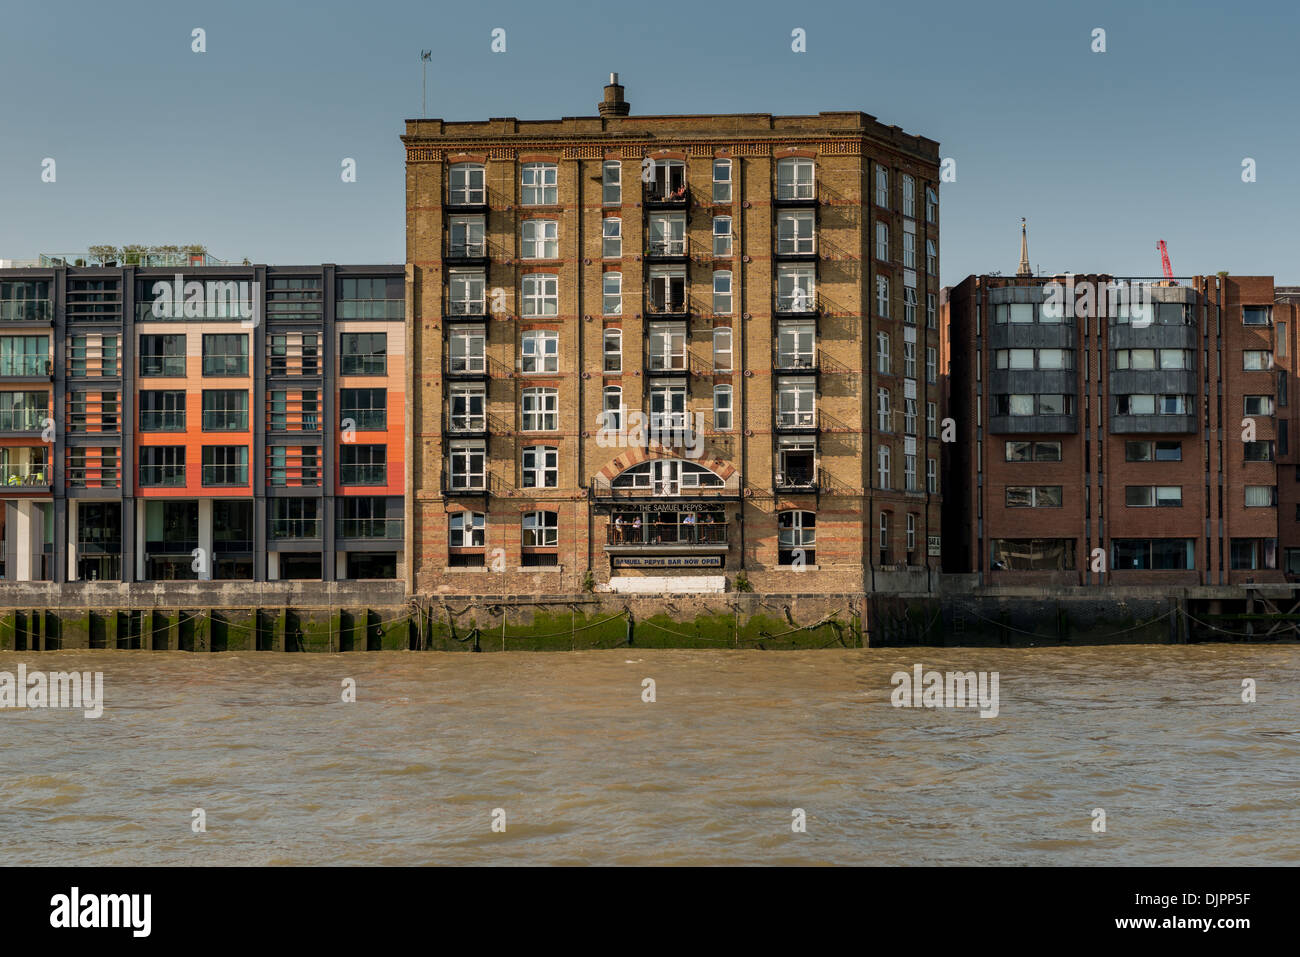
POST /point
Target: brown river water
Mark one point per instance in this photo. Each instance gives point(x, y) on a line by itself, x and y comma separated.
point(709, 773)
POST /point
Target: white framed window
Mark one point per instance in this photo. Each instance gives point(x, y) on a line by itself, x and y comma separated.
point(611, 183)
point(909, 250)
point(538, 184)
point(722, 349)
point(466, 292)
point(666, 347)
point(467, 184)
point(795, 178)
point(668, 405)
point(722, 180)
point(931, 364)
point(796, 403)
point(666, 234)
point(882, 187)
point(931, 256)
point(541, 239)
point(795, 530)
point(540, 529)
point(541, 294)
point(931, 205)
point(541, 466)
point(882, 296)
point(884, 533)
point(611, 289)
point(722, 237)
point(909, 197)
point(467, 407)
point(466, 529)
point(909, 472)
point(884, 364)
point(796, 289)
point(796, 345)
point(909, 305)
point(796, 231)
point(932, 476)
point(611, 240)
point(467, 349)
point(467, 463)
point(884, 415)
point(883, 479)
point(911, 532)
point(611, 412)
point(722, 408)
point(613, 350)
point(909, 416)
point(722, 292)
point(467, 236)
point(931, 312)
point(541, 410)
point(932, 420)
point(882, 242)
point(539, 351)
point(909, 360)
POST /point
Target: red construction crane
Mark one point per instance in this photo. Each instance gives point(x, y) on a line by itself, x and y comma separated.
point(1164, 259)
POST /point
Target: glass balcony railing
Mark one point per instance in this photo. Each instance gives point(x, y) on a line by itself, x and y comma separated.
point(286, 528)
point(36, 474)
point(382, 528)
point(26, 310)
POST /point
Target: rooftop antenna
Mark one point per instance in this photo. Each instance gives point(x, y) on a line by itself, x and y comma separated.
point(424, 72)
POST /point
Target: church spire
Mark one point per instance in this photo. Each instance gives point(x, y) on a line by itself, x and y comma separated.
point(1024, 269)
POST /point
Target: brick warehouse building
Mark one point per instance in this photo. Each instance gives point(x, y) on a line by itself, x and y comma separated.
point(776, 280)
point(129, 439)
point(1096, 433)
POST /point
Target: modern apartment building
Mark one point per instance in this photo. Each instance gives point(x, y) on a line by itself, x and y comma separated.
point(1141, 445)
point(187, 421)
point(671, 353)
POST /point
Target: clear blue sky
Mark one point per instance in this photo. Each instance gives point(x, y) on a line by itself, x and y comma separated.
point(240, 147)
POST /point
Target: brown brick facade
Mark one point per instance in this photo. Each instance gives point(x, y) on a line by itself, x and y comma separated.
point(844, 494)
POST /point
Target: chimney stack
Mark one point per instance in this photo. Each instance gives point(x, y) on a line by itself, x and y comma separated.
point(614, 104)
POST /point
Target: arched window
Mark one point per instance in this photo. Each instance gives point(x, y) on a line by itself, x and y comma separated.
point(612, 408)
point(796, 538)
point(612, 294)
point(722, 408)
point(613, 349)
point(466, 185)
point(909, 197)
point(722, 292)
point(722, 349)
point(667, 477)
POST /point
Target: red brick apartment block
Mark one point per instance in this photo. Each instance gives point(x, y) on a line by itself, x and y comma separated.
point(1127, 447)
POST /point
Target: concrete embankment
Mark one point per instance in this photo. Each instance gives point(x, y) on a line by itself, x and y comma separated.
point(378, 616)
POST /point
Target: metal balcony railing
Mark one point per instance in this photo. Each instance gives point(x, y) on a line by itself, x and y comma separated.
point(697, 532)
point(797, 480)
point(662, 194)
point(162, 476)
point(796, 363)
point(666, 306)
point(797, 303)
point(796, 420)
